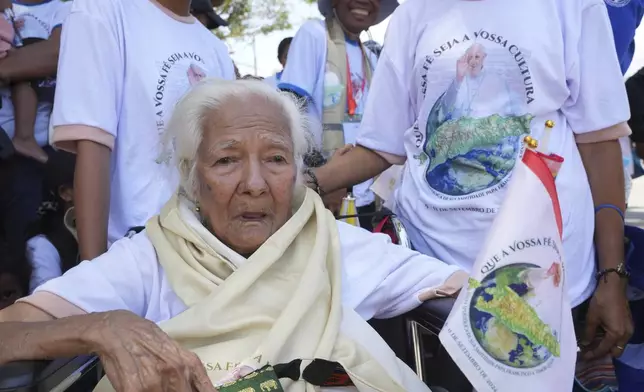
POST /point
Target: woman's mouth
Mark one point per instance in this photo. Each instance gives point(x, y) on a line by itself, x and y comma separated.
point(253, 216)
point(359, 12)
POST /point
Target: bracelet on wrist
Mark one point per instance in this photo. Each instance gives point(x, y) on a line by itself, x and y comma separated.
point(610, 207)
point(620, 270)
point(313, 181)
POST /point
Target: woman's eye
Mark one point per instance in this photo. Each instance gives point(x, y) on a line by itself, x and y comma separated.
point(278, 159)
point(224, 161)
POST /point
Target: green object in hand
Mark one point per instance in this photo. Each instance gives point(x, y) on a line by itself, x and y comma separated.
point(261, 380)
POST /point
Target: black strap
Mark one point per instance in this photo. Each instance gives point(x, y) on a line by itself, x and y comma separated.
point(134, 231)
point(320, 372)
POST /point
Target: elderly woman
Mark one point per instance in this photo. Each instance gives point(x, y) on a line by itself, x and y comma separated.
point(244, 267)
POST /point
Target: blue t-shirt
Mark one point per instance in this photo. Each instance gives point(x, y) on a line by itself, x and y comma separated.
point(625, 17)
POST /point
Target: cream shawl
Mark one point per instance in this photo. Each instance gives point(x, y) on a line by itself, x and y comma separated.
point(282, 303)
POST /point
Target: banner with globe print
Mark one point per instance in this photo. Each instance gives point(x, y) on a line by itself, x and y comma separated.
point(511, 327)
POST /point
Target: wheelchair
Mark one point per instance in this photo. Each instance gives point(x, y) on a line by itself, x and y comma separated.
point(412, 336)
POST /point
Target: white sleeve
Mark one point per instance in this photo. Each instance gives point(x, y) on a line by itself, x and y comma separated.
point(44, 259)
point(598, 97)
point(121, 279)
point(305, 56)
point(382, 279)
point(90, 71)
point(225, 61)
point(383, 130)
point(60, 15)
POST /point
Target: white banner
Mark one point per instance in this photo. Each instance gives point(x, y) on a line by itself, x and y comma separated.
point(511, 328)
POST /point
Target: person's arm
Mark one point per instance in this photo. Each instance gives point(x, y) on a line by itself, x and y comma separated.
point(355, 166)
point(86, 113)
point(135, 353)
point(27, 333)
point(603, 164)
point(92, 197)
point(597, 111)
point(30, 62)
point(384, 280)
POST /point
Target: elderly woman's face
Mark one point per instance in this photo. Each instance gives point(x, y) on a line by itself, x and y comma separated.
point(246, 171)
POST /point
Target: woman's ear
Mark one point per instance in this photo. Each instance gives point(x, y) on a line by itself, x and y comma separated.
point(66, 193)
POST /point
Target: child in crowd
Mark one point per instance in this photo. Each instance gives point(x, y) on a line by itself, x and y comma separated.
point(52, 248)
point(15, 272)
point(23, 95)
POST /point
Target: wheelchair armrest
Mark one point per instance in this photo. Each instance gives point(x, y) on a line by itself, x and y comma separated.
point(58, 374)
point(432, 314)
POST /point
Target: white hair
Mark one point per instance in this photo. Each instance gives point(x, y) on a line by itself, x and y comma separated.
point(186, 126)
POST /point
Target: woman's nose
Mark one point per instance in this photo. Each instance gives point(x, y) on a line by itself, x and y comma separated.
point(253, 182)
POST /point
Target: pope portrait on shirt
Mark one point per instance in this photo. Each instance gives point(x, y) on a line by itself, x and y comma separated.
point(474, 129)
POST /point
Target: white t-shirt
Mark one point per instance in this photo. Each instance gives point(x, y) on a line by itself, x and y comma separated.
point(533, 60)
point(274, 80)
point(123, 66)
point(39, 21)
point(306, 74)
point(44, 259)
point(379, 279)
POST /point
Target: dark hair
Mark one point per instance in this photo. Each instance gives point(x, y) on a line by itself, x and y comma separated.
point(13, 261)
point(59, 172)
point(283, 47)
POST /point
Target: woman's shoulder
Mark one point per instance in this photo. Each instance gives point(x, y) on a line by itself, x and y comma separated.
point(138, 247)
point(313, 28)
point(106, 7)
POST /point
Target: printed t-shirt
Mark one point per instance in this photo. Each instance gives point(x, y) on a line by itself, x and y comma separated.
point(306, 74)
point(274, 80)
point(36, 21)
point(458, 86)
point(137, 60)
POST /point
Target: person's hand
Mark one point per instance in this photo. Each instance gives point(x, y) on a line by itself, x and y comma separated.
point(342, 150)
point(461, 67)
point(138, 356)
point(333, 200)
point(610, 311)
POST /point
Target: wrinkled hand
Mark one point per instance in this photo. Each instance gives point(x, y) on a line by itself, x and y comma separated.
point(610, 311)
point(138, 356)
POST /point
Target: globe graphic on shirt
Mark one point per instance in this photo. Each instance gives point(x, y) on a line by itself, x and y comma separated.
point(505, 325)
point(467, 154)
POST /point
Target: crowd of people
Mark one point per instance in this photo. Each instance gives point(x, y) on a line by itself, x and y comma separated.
point(152, 197)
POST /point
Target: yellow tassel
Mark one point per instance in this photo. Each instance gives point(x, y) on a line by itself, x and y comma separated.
point(348, 208)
